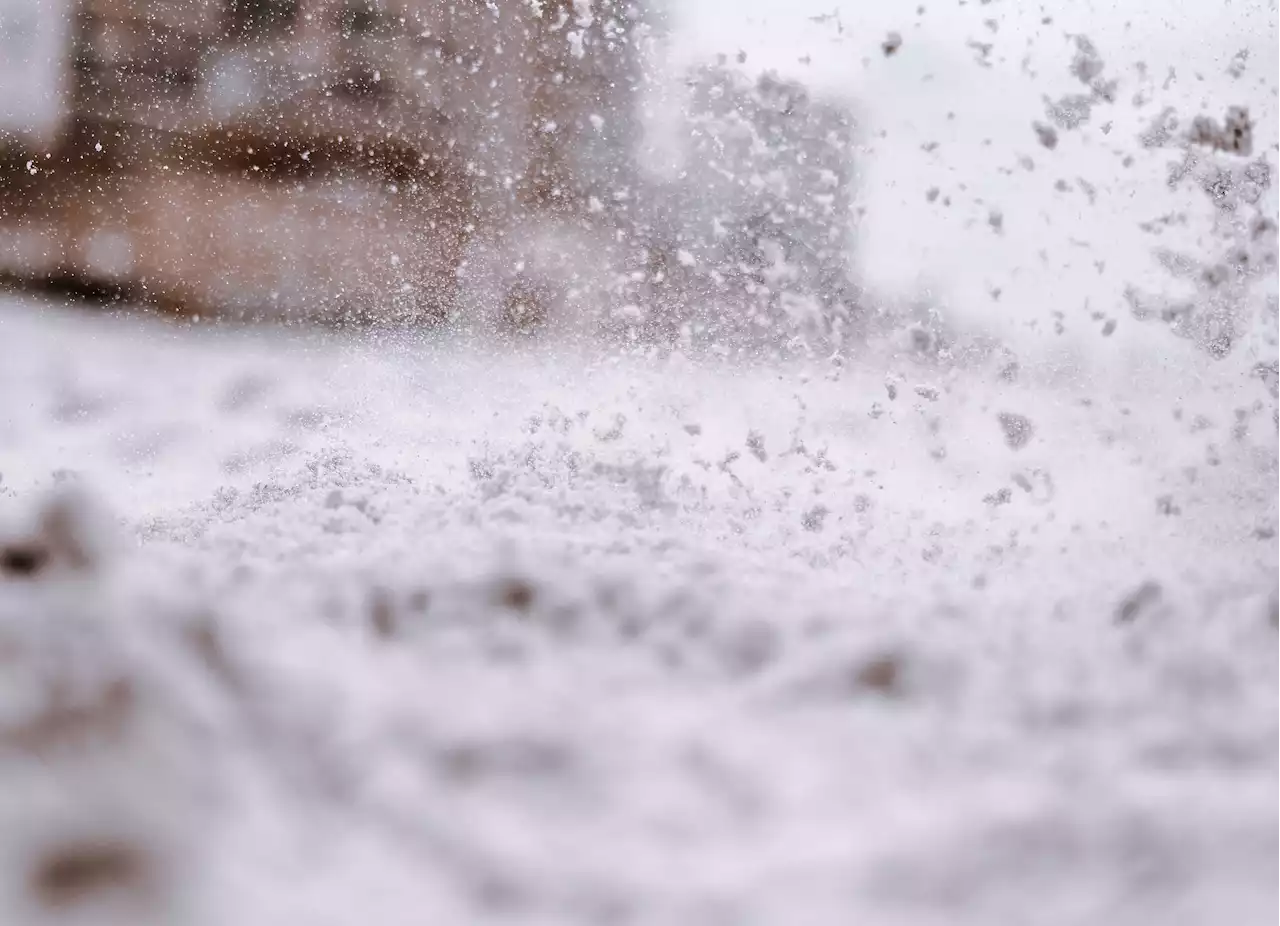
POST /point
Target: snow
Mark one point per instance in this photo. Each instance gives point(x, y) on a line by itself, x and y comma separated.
point(930, 122)
point(389, 627)
point(959, 609)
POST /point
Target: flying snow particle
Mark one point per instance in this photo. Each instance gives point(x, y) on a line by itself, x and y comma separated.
point(1047, 135)
point(1017, 429)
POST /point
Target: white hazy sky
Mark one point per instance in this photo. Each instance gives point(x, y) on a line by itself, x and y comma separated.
point(907, 244)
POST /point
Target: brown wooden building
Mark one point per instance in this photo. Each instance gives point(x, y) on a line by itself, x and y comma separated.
point(312, 158)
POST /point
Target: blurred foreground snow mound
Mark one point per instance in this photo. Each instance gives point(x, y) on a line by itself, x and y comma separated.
point(383, 629)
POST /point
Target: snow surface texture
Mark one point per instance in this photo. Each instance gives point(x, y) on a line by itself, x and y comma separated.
point(315, 630)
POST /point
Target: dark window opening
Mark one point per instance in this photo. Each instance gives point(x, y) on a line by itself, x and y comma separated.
point(259, 18)
point(356, 19)
point(364, 84)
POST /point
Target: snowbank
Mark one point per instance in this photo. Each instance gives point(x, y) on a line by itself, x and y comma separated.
point(389, 630)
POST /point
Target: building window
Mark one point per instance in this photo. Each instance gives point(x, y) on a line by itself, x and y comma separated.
point(357, 18)
point(260, 18)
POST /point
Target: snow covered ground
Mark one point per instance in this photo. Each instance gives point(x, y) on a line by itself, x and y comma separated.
point(388, 629)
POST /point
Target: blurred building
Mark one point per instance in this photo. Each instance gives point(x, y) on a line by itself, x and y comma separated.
point(316, 158)
point(750, 244)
